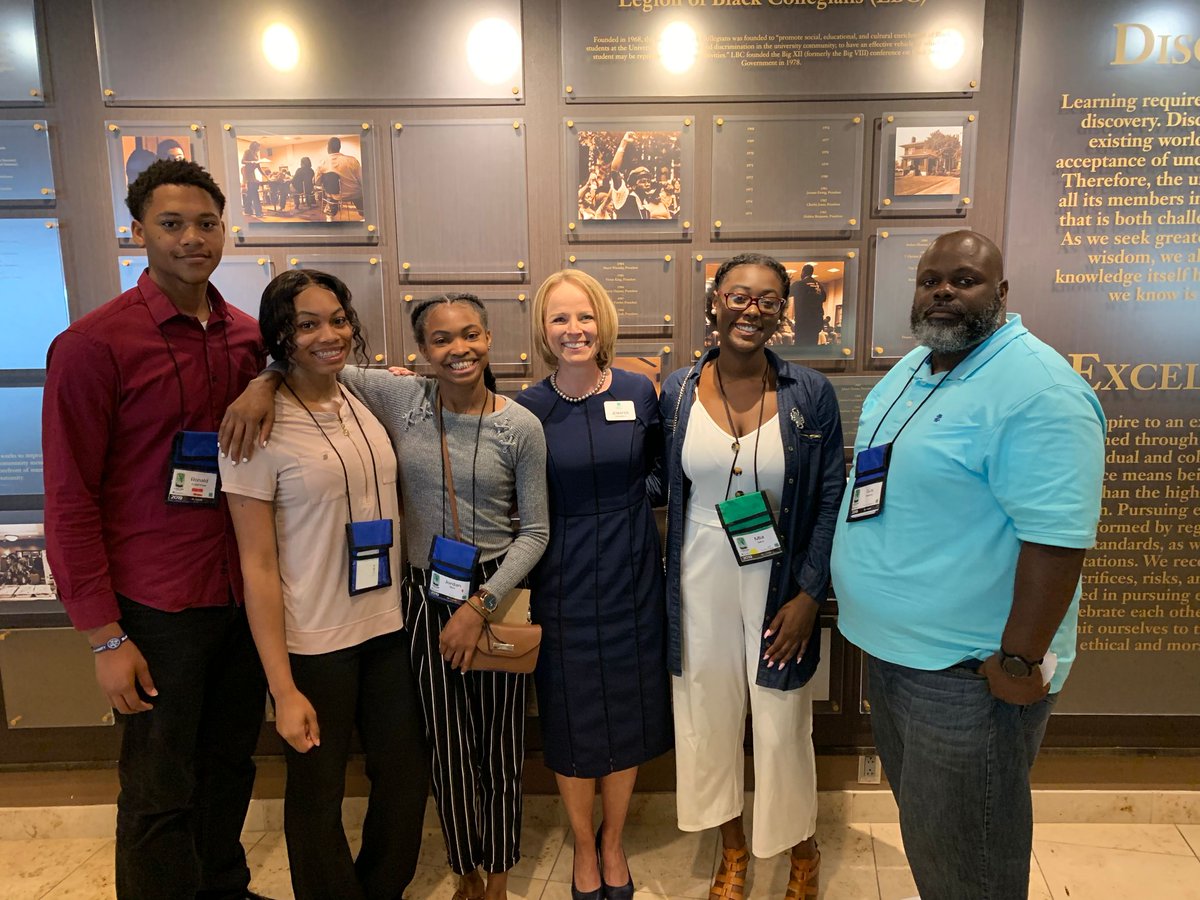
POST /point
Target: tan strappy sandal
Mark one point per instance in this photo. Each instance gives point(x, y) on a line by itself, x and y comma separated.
point(730, 883)
point(805, 879)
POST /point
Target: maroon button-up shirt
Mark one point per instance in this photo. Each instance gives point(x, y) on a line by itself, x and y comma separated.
point(113, 402)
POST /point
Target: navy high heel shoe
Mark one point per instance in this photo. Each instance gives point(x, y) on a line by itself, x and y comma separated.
point(613, 892)
point(577, 894)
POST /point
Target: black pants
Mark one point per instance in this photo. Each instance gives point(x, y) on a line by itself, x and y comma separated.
point(186, 770)
point(369, 686)
point(475, 723)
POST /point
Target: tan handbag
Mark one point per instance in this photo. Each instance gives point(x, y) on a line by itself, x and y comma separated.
point(509, 641)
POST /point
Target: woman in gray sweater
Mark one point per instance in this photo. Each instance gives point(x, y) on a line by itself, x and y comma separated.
point(474, 721)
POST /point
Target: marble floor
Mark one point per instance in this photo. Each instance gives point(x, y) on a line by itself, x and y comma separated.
point(860, 861)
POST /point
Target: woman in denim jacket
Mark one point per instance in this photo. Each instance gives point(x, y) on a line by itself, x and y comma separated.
point(739, 631)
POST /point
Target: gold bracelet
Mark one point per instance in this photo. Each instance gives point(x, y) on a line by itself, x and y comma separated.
point(482, 613)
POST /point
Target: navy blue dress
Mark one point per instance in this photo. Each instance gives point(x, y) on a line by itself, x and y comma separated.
point(602, 683)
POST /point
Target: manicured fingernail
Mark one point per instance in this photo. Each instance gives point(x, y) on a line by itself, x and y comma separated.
point(245, 459)
point(767, 633)
point(224, 455)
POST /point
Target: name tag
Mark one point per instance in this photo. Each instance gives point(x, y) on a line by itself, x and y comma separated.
point(870, 483)
point(192, 486)
point(445, 588)
point(749, 523)
point(619, 411)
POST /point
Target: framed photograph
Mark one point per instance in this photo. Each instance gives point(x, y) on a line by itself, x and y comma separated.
point(461, 200)
point(509, 321)
point(628, 179)
point(641, 286)
point(897, 252)
point(364, 277)
point(304, 182)
point(133, 146)
point(24, 572)
point(779, 176)
point(819, 320)
point(926, 163)
point(240, 279)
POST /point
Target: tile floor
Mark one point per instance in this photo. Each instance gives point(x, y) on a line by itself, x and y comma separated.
point(860, 861)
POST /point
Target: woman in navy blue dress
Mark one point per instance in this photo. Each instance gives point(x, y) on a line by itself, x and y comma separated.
point(602, 684)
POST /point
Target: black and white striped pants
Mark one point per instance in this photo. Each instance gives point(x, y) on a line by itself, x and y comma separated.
point(475, 726)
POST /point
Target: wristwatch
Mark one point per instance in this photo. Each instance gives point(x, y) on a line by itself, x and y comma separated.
point(488, 599)
point(112, 643)
point(1017, 666)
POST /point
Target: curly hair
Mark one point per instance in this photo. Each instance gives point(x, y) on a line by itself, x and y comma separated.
point(277, 311)
point(170, 171)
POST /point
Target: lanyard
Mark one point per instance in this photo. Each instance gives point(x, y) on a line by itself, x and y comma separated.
point(911, 377)
point(179, 372)
point(366, 440)
point(737, 438)
point(448, 472)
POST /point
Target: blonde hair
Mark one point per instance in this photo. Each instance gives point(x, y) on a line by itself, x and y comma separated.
point(602, 306)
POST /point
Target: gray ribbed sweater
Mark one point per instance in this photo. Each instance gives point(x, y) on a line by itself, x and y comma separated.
point(511, 464)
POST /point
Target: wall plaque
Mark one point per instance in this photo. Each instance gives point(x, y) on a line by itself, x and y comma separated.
point(623, 49)
point(311, 52)
point(785, 175)
point(461, 199)
point(31, 288)
point(20, 66)
point(641, 286)
point(1103, 260)
point(21, 443)
point(26, 176)
point(897, 252)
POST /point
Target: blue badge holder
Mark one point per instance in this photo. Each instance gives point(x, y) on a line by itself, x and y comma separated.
point(457, 560)
point(193, 451)
point(370, 543)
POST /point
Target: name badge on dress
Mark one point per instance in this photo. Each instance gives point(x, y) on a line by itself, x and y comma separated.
point(619, 411)
point(193, 477)
point(870, 483)
point(749, 524)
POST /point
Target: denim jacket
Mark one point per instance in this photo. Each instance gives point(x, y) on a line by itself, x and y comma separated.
point(814, 478)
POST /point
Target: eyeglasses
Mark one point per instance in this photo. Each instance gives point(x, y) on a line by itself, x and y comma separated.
point(768, 305)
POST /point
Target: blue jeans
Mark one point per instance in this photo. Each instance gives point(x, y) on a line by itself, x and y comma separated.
point(958, 762)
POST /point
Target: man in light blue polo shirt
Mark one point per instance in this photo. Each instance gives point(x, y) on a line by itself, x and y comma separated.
point(956, 563)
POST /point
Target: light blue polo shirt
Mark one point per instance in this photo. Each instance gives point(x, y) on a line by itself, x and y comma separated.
point(1009, 449)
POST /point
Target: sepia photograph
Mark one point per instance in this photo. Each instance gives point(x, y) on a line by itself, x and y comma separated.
point(629, 174)
point(812, 316)
point(928, 160)
point(300, 177)
point(24, 572)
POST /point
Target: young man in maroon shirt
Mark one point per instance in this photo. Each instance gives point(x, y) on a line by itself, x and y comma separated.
point(142, 548)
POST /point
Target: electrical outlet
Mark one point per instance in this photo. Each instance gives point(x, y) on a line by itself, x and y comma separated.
point(868, 769)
